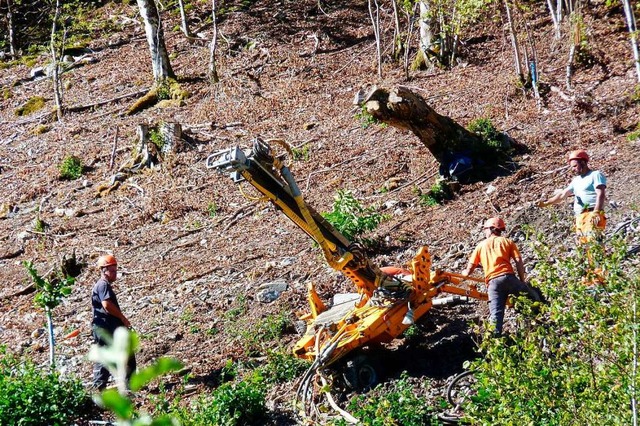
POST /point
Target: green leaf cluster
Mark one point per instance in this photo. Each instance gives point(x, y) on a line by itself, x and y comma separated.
point(71, 168)
point(571, 361)
point(115, 356)
point(350, 218)
point(231, 404)
point(487, 131)
point(50, 291)
point(29, 395)
point(438, 193)
point(283, 367)
point(389, 405)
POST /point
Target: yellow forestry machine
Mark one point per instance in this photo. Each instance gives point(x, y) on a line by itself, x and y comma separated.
point(385, 304)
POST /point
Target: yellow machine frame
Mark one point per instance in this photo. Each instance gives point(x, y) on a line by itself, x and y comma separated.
point(384, 306)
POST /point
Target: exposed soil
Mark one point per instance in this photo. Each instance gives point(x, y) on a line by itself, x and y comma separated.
point(191, 247)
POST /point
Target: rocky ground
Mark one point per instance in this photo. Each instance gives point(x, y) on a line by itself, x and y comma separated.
point(191, 248)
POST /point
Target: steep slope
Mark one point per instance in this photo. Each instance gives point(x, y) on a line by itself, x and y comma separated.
point(192, 249)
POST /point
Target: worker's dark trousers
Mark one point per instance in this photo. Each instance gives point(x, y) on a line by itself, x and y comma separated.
point(499, 290)
point(101, 374)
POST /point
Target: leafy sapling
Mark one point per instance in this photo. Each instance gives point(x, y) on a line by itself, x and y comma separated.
point(50, 293)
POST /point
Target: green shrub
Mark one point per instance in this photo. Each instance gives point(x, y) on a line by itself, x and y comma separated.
point(350, 218)
point(212, 209)
point(301, 154)
point(439, 192)
point(254, 336)
point(573, 361)
point(155, 136)
point(485, 128)
point(283, 367)
point(231, 404)
point(393, 404)
point(364, 118)
point(71, 168)
point(29, 395)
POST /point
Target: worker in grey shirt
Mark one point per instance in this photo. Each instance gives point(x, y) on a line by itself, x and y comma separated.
point(107, 316)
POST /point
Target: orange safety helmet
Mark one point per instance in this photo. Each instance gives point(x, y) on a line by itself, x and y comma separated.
point(579, 154)
point(495, 222)
point(106, 260)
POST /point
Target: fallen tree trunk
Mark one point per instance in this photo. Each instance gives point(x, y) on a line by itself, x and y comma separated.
point(463, 155)
point(406, 110)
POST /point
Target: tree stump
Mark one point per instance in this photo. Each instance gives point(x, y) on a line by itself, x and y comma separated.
point(447, 140)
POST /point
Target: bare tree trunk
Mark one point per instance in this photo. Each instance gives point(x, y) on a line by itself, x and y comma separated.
point(183, 19)
point(213, 70)
point(554, 18)
point(375, 21)
point(426, 32)
point(633, 33)
point(559, 11)
point(407, 43)
point(55, 69)
point(533, 64)
point(514, 42)
point(13, 46)
point(396, 44)
point(155, 37)
point(406, 110)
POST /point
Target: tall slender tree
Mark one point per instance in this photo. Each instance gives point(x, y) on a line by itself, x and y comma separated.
point(633, 34)
point(213, 69)
point(155, 37)
point(55, 64)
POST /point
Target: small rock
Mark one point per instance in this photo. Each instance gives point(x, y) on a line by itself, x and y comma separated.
point(269, 292)
point(288, 261)
point(309, 126)
point(490, 189)
point(24, 235)
point(37, 72)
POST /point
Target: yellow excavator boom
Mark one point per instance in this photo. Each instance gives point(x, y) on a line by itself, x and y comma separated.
point(383, 307)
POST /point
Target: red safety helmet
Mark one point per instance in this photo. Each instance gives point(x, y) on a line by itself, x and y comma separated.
point(106, 260)
point(495, 222)
point(579, 154)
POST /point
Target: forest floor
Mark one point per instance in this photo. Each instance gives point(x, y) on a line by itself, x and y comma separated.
point(191, 248)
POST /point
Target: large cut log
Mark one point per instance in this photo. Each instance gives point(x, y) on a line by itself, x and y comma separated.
point(406, 110)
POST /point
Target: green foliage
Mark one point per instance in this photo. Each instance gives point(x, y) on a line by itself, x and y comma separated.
point(439, 192)
point(71, 168)
point(239, 309)
point(450, 20)
point(283, 367)
point(350, 218)
point(212, 209)
point(634, 135)
point(231, 404)
point(301, 154)
point(34, 104)
point(571, 361)
point(163, 91)
point(155, 136)
point(363, 117)
point(635, 96)
point(254, 337)
point(28, 394)
point(50, 292)
point(490, 136)
point(115, 356)
point(393, 404)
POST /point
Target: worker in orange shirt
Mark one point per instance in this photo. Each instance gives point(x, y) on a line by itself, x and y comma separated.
point(494, 254)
